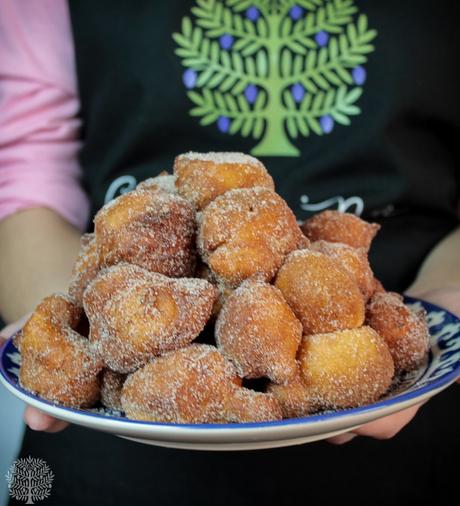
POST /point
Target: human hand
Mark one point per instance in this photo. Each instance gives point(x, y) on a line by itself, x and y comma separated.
point(34, 418)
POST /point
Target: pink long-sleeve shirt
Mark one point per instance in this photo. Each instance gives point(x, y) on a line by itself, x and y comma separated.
point(39, 105)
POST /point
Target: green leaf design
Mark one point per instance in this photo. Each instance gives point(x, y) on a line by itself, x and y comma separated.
point(329, 66)
point(274, 52)
point(216, 20)
point(338, 103)
point(217, 67)
point(211, 104)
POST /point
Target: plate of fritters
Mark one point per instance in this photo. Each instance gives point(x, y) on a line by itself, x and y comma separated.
point(201, 315)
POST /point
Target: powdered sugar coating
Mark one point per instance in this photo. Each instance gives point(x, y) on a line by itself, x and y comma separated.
point(293, 397)
point(258, 332)
point(320, 292)
point(201, 177)
point(111, 386)
point(335, 226)
point(345, 369)
point(193, 385)
point(226, 157)
point(136, 314)
point(154, 230)
point(353, 260)
point(246, 232)
point(85, 269)
point(404, 330)
point(163, 182)
point(57, 363)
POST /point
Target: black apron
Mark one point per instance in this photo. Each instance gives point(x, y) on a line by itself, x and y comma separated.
point(369, 124)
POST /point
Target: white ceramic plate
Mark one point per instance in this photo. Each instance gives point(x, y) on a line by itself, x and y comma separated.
point(440, 370)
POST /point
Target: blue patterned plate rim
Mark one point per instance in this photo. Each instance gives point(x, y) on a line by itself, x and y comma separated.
point(442, 380)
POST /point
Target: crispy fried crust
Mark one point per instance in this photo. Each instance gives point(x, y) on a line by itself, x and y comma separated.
point(334, 226)
point(353, 260)
point(247, 232)
point(320, 292)
point(345, 369)
point(85, 269)
point(404, 330)
point(203, 177)
point(194, 385)
point(152, 229)
point(111, 385)
point(259, 333)
point(57, 362)
point(136, 314)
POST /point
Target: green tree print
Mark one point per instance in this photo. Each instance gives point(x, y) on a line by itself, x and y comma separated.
point(274, 69)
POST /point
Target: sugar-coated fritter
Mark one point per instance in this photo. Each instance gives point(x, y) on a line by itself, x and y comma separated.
point(152, 229)
point(247, 232)
point(405, 330)
point(321, 293)
point(345, 369)
point(57, 362)
point(164, 182)
point(353, 260)
point(135, 314)
point(194, 385)
point(111, 385)
point(257, 330)
point(85, 269)
point(335, 226)
point(293, 397)
point(201, 177)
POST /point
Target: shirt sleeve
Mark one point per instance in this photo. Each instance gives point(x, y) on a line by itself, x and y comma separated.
point(39, 123)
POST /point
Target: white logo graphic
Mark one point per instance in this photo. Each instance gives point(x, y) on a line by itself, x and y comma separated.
point(29, 480)
point(340, 203)
point(119, 186)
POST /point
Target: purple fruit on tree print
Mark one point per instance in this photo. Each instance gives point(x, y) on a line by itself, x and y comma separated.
point(322, 38)
point(359, 75)
point(327, 123)
point(223, 124)
point(226, 41)
point(251, 92)
point(297, 92)
point(252, 13)
point(296, 12)
point(274, 71)
point(189, 78)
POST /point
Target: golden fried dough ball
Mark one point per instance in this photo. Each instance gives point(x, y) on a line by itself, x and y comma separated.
point(247, 232)
point(378, 287)
point(353, 260)
point(152, 229)
point(404, 330)
point(111, 384)
point(85, 269)
point(194, 385)
point(304, 242)
point(259, 333)
point(57, 362)
point(293, 397)
point(201, 177)
point(164, 182)
point(345, 369)
point(135, 314)
point(335, 226)
point(320, 292)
